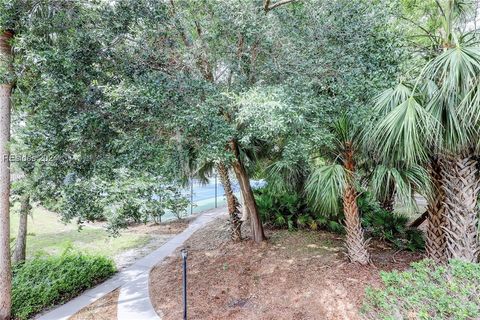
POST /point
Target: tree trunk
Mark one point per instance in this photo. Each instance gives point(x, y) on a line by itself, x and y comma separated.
point(245, 214)
point(249, 199)
point(435, 241)
point(232, 204)
point(389, 202)
point(5, 101)
point(21, 242)
point(355, 239)
point(460, 186)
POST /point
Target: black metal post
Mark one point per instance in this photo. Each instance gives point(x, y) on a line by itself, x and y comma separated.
point(184, 258)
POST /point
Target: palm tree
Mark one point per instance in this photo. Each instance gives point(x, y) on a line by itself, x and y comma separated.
point(435, 122)
point(337, 179)
point(232, 203)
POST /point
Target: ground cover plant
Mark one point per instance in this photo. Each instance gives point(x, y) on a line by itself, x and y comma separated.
point(47, 280)
point(427, 291)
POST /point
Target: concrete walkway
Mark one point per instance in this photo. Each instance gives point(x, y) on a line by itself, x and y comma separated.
point(134, 301)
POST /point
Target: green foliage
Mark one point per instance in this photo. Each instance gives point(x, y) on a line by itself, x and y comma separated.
point(399, 183)
point(131, 197)
point(289, 210)
point(434, 110)
point(404, 132)
point(325, 188)
point(161, 87)
point(280, 209)
point(285, 175)
point(427, 291)
point(389, 226)
point(47, 280)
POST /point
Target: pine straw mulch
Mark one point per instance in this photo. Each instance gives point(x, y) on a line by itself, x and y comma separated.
point(295, 275)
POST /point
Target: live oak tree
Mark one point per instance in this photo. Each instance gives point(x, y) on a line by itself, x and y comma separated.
point(207, 33)
point(99, 134)
point(199, 46)
point(55, 77)
point(13, 26)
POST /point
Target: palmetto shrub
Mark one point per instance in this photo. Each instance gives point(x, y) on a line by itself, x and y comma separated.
point(427, 291)
point(389, 226)
point(282, 209)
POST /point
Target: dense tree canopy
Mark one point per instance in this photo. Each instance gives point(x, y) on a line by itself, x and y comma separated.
point(119, 103)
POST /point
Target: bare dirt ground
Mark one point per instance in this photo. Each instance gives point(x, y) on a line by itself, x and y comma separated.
point(295, 275)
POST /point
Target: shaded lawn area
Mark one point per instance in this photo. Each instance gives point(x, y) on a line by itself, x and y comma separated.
point(47, 234)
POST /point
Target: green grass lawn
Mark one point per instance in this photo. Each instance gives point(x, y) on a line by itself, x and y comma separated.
point(47, 234)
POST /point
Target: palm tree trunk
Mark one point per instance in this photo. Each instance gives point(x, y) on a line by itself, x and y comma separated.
point(435, 241)
point(355, 240)
point(21, 242)
point(5, 104)
point(232, 203)
point(460, 186)
point(249, 200)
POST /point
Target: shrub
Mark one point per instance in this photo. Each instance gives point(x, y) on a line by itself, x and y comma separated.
point(389, 226)
point(427, 291)
point(289, 210)
point(47, 280)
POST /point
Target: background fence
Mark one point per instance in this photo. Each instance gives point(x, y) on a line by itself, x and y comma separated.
point(206, 196)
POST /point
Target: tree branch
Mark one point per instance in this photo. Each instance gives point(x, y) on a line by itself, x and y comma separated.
point(266, 4)
point(267, 7)
point(419, 220)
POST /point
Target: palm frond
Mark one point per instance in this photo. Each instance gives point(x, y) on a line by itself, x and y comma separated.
point(204, 171)
point(401, 181)
point(403, 134)
point(343, 129)
point(346, 135)
point(387, 100)
point(286, 176)
point(325, 188)
point(469, 111)
point(456, 70)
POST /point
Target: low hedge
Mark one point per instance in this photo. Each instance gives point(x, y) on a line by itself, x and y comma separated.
point(427, 291)
point(48, 280)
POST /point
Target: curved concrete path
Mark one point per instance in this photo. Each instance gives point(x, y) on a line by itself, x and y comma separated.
point(134, 302)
